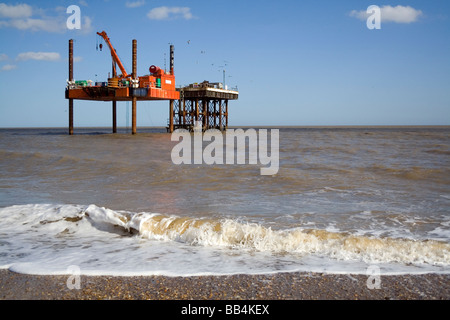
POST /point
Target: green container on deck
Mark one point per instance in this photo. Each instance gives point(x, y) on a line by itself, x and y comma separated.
point(82, 83)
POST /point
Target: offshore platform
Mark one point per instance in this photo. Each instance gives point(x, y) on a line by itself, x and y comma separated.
point(205, 102)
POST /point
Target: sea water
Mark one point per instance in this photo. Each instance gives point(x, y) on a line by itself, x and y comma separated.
point(344, 200)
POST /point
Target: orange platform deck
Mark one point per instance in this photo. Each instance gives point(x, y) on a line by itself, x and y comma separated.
point(97, 93)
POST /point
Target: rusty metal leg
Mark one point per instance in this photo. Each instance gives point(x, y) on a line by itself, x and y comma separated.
point(171, 116)
point(184, 113)
point(133, 116)
point(71, 79)
point(226, 114)
point(114, 117)
point(180, 113)
point(215, 114)
point(196, 109)
point(134, 76)
point(71, 116)
point(208, 114)
point(134, 59)
point(220, 116)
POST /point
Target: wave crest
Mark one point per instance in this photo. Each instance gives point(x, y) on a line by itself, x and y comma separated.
point(251, 236)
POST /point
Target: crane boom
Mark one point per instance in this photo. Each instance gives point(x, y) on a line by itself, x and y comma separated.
point(114, 55)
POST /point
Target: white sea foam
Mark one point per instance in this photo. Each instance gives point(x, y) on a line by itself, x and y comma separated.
point(47, 239)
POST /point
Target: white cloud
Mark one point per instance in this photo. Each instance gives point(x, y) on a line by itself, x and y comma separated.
point(86, 27)
point(23, 17)
point(8, 67)
point(134, 4)
point(361, 15)
point(15, 11)
point(169, 13)
point(43, 56)
point(398, 14)
point(49, 25)
point(3, 57)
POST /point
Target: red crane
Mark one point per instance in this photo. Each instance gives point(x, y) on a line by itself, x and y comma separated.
point(114, 56)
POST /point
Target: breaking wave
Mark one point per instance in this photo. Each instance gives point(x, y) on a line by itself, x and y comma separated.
point(251, 236)
point(46, 239)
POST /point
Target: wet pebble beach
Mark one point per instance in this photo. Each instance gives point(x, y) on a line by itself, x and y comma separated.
point(281, 286)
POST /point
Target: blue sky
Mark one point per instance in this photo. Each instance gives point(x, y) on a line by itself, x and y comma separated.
point(294, 62)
